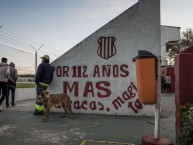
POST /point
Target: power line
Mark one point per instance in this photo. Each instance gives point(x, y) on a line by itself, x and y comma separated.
point(15, 48)
point(12, 44)
point(24, 44)
point(50, 50)
point(14, 39)
point(21, 37)
point(28, 41)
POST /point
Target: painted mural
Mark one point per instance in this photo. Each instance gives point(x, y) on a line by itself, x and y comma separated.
point(100, 89)
point(98, 73)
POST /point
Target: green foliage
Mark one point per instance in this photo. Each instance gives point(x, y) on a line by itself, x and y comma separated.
point(186, 133)
point(185, 42)
point(25, 85)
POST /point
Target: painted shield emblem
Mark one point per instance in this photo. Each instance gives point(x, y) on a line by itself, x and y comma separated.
point(106, 47)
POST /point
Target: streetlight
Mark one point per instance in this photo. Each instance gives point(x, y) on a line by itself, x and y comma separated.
point(36, 51)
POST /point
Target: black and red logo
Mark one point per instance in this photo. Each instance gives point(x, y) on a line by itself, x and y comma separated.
point(106, 47)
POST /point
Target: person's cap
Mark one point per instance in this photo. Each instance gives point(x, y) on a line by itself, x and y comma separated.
point(45, 57)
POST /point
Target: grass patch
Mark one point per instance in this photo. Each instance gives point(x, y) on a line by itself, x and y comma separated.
point(25, 85)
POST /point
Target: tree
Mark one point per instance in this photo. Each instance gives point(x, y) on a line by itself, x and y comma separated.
point(186, 41)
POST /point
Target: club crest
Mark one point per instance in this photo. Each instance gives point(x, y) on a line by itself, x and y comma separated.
point(106, 47)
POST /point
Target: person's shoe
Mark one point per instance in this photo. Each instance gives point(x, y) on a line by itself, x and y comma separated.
point(38, 113)
point(1, 108)
point(13, 105)
point(7, 105)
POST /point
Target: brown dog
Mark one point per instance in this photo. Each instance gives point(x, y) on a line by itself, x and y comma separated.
point(50, 100)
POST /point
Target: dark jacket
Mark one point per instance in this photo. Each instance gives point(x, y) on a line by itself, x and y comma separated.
point(13, 73)
point(44, 73)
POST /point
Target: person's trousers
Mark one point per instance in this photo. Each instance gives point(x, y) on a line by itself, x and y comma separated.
point(12, 89)
point(4, 90)
point(39, 89)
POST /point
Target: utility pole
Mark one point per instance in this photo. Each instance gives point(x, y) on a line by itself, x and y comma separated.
point(36, 52)
point(158, 100)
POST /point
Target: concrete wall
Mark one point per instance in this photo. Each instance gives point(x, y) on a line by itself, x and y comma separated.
point(98, 73)
point(24, 94)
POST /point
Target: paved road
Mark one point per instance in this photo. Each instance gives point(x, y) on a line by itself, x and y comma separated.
point(19, 127)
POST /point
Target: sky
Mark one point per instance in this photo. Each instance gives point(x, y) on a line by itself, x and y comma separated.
point(58, 25)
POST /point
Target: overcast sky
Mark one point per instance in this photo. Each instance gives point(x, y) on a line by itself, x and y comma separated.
point(61, 24)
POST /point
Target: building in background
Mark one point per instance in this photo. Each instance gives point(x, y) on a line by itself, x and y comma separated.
point(169, 36)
